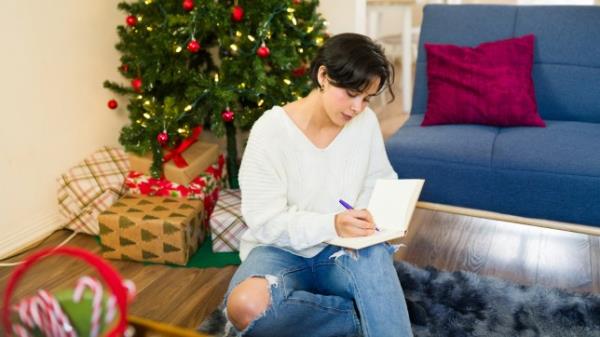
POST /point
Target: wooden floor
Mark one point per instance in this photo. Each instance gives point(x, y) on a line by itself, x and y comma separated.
point(521, 253)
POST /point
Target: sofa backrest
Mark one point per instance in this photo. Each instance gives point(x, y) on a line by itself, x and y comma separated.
point(566, 70)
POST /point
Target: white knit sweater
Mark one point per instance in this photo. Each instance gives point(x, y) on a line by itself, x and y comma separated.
point(290, 188)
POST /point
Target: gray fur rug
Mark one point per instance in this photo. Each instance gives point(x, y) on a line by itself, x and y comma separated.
point(463, 304)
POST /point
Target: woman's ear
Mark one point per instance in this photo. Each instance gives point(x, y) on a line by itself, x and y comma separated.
point(322, 77)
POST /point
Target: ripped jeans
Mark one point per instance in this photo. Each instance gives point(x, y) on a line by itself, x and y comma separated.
point(338, 292)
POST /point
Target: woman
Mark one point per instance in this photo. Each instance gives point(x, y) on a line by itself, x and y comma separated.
point(299, 161)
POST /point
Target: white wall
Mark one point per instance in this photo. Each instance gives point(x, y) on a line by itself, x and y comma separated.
point(344, 15)
point(55, 55)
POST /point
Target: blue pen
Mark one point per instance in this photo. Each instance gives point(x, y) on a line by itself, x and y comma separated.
point(348, 206)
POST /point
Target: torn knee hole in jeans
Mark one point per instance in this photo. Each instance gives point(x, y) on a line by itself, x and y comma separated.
point(353, 253)
point(272, 282)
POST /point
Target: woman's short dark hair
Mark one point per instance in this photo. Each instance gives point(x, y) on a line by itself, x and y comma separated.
point(352, 61)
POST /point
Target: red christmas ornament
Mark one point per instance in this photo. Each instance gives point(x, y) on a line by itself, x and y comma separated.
point(299, 71)
point(112, 104)
point(136, 84)
point(297, 2)
point(227, 115)
point(263, 51)
point(131, 20)
point(187, 5)
point(237, 13)
point(193, 46)
point(162, 138)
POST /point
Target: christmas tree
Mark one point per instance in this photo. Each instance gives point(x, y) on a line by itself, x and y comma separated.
point(212, 64)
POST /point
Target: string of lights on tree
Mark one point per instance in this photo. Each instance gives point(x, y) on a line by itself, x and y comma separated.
point(211, 63)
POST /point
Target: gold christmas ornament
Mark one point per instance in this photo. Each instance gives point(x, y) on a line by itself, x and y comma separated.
point(148, 2)
point(319, 41)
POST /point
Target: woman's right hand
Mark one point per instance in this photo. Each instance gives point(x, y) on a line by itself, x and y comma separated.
point(354, 222)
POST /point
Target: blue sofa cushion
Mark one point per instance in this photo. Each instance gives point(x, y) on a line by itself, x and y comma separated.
point(460, 144)
point(566, 148)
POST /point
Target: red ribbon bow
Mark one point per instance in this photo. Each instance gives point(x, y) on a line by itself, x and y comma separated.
point(175, 153)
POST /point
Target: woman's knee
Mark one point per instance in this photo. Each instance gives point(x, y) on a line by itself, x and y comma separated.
point(247, 301)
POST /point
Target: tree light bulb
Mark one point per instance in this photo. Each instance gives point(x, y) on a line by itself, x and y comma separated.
point(293, 19)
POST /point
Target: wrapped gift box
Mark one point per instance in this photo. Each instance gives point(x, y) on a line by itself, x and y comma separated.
point(206, 186)
point(226, 222)
point(153, 229)
point(91, 187)
point(198, 156)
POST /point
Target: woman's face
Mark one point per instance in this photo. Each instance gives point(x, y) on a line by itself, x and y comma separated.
point(341, 104)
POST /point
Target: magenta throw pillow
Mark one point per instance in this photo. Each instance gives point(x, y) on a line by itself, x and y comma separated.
point(488, 84)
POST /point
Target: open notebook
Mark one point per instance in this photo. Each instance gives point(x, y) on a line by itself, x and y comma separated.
point(392, 204)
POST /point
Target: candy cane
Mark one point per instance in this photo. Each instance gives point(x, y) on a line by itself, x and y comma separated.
point(63, 326)
point(96, 288)
point(112, 300)
point(44, 312)
point(20, 331)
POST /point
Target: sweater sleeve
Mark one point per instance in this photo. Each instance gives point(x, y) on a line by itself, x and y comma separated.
point(264, 185)
point(379, 166)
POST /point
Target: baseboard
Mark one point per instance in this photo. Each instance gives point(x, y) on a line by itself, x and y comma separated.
point(37, 229)
point(566, 226)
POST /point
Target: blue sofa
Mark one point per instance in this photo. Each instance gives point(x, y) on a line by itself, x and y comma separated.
point(549, 173)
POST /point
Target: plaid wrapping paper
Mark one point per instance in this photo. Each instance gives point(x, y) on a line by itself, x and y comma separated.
point(226, 222)
point(153, 229)
point(91, 187)
point(206, 186)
